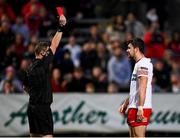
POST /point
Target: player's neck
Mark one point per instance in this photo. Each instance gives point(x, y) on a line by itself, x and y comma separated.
point(139, 57)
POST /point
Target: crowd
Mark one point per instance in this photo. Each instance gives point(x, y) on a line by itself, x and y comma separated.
point(98, 64)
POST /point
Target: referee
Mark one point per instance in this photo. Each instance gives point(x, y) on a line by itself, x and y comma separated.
point(37, 84)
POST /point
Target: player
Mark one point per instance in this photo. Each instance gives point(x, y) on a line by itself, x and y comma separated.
point(139, 101)
point(38, 86)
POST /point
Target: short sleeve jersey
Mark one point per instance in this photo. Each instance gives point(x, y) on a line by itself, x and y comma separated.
point(143, 67)
point(39, 80)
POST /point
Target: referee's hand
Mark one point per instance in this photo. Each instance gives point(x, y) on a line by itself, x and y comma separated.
point(26, 89)
point(62, 20)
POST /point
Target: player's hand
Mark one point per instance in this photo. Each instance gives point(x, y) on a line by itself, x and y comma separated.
point(140, 115)
point(122, 109)
point(62, 20)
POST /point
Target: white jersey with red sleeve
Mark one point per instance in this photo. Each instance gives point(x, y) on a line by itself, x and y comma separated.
point(143, 67)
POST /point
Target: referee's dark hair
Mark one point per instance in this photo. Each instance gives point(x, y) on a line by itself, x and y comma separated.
point(40, 46)
point(137, 42)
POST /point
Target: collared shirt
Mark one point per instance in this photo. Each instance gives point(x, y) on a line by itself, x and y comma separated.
point(39, 80)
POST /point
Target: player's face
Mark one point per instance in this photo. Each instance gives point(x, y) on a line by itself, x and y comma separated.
point(130, 51)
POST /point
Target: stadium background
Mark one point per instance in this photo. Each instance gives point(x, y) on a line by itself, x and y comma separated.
point(96, 34)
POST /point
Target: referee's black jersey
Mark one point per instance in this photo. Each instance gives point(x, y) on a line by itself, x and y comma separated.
point(38, 76)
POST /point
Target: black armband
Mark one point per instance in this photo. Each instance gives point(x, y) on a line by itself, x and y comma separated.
point(60, 28)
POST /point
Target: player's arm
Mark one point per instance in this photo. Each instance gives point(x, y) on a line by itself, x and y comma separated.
point(142, 75)
point(123, 107)
point(126, 102)
point(142, 81)
point(57, 37)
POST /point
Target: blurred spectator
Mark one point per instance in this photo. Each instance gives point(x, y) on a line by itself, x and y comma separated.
point(21, 28)
point(155, 41)
point(10, 76)
point(78, 82)
point(152, 16)
point(168, 58)
point(117, 27)
point(94, 34)
point(6, 35)
point(19, 46)
point(21, 73)
point(34, 39)
point(105, 39)
point(90, 88)
point(33, 20)
point(128, 36)
point(17, 5)
point(8, 87)
point(26, 9)
point(87, 8)
point(134, 26)
point(47, 22)
point(10, 58)
point(5, 9)
point(175, 83)
point(162, 75)
point(103, 56)
point(155, 87)
point(175, 76)
point(29, 54)
point(119, 68)
point(66, 64)
point(57, 85)
point(175, 67)
point(99, 79)
point(174, 45)
point(75, 50)
point(112, 88)
point(88, 57)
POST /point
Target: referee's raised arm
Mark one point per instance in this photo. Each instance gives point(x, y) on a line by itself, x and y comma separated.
point(57, 37)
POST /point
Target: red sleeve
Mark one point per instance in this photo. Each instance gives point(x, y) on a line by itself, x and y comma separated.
point(147, 38)
point(11, 13)
point(25, 9)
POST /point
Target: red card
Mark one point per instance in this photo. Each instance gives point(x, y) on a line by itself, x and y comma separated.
point(59, 11)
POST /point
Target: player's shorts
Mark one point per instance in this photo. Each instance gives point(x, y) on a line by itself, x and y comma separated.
point(132, 116)
point(40, 119)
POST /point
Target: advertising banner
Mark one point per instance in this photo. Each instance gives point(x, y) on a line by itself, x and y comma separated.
point(88, 113)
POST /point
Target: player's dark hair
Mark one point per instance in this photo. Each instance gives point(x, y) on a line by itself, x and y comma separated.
point(42, 45)
point(137, 42)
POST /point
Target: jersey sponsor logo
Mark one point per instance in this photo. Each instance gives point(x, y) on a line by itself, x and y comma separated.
point(144, 68)
point(134, 77)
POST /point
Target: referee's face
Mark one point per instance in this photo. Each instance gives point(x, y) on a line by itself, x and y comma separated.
point(44, 52)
